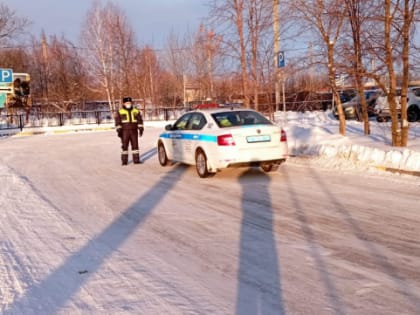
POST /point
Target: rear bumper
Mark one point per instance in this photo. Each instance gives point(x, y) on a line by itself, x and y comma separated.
point(256, 163)
point(232, 156)
point(242, 160)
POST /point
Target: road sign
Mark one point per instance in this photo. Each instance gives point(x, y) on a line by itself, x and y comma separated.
point(280, 59)
point(6, 75)
point(3, 98)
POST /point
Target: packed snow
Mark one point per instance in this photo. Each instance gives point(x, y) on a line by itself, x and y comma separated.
point(334, 231)
point(316, 134)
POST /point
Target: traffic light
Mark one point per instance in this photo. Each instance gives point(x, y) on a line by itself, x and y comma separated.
point(17, 90)
point(25, 88)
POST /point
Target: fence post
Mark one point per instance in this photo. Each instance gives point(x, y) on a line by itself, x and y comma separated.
point(21, 124)
point(61, 119)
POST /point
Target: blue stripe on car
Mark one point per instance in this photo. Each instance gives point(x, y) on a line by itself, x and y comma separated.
point(189, 136)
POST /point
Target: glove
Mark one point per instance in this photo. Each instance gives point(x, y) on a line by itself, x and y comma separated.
point(141, 129)
point(119, 133)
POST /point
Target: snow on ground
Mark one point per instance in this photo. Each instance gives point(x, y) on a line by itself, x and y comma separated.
point(80, 234)
point(316, 134)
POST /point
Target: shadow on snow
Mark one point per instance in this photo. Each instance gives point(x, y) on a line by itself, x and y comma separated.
point(259, 289)
point(109, 240)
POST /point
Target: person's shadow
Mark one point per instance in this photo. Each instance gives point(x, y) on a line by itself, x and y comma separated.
point(259, 289)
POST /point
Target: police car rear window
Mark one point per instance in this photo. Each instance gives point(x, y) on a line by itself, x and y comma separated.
point(239, 118)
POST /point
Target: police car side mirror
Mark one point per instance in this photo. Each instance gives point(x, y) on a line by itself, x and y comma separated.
point(168, 127)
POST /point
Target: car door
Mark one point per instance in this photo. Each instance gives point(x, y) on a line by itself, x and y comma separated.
point(192, 136)
point(178, 136)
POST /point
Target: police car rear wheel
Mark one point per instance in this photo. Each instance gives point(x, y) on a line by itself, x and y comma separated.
point(163, 158)
point(269, 167)
point(201, 164)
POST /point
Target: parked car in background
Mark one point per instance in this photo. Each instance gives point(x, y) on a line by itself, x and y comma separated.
point(353, 109)
point(413, 104)
point(217, 138)
point(383, 112)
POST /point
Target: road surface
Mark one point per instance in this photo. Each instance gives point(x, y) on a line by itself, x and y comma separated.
point(81, 234)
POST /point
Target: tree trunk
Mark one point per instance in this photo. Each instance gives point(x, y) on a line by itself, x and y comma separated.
point(353, 11)
point(396, 132)
point(408, 18)
point(336, 95)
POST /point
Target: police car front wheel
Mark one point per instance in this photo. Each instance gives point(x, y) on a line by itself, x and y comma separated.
point(163, 158)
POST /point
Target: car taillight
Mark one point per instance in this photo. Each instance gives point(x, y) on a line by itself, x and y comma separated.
point(225, 140)
point(283, 137)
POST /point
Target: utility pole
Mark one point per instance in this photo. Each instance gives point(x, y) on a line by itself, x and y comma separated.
point(184, 82)
point(276, 51)
point(311, 67)
point(45, 67)
point(210, 47)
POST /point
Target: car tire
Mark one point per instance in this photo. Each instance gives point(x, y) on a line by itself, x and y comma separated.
point(163, 158)
point(201, 164)
point(413, 113)
point(269, 167)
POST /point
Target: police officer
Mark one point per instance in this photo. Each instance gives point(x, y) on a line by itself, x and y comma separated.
point(129, 125)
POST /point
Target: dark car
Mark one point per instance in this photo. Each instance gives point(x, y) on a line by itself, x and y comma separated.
point(352, 108)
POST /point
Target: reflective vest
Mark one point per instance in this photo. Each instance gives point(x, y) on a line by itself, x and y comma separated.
point(129, 116)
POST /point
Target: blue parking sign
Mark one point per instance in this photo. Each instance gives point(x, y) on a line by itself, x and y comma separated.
point(6, 75)
point(280, 59)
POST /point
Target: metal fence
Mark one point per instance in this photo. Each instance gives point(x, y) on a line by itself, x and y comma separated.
point(38, 118)
point(75, 118)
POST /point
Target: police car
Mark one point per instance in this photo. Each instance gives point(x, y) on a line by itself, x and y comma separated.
point(217, 138)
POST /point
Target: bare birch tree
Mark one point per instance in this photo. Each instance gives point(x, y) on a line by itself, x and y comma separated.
point(11, 25)
point(177, 59)
point(259, 21)
point(356, 13)
point(228, 14)
point(66, 73)
point(198, 57)
point(390, 45)
point(408, 19)
point(326, 18)
point(148, 71)
point(109, 41)
point(205, 53)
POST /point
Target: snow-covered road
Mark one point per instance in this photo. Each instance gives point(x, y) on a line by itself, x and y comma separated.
point(80, 234)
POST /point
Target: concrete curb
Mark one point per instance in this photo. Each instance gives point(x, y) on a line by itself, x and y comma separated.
point(26, 133)
point(30, 131)
point(397, 170)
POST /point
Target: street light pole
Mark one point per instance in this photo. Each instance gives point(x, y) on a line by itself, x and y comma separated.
point(184, 82)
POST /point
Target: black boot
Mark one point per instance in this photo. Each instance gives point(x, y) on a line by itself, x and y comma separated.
point(136, 159)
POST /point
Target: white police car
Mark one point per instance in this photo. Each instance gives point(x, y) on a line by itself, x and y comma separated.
point(213, 139)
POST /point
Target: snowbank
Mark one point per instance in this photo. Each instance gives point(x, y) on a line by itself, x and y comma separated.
point(316, 134)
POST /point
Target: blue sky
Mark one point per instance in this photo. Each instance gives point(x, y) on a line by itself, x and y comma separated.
point(152, 20)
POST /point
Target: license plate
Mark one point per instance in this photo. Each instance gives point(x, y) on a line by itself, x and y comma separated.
point(262, 138)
